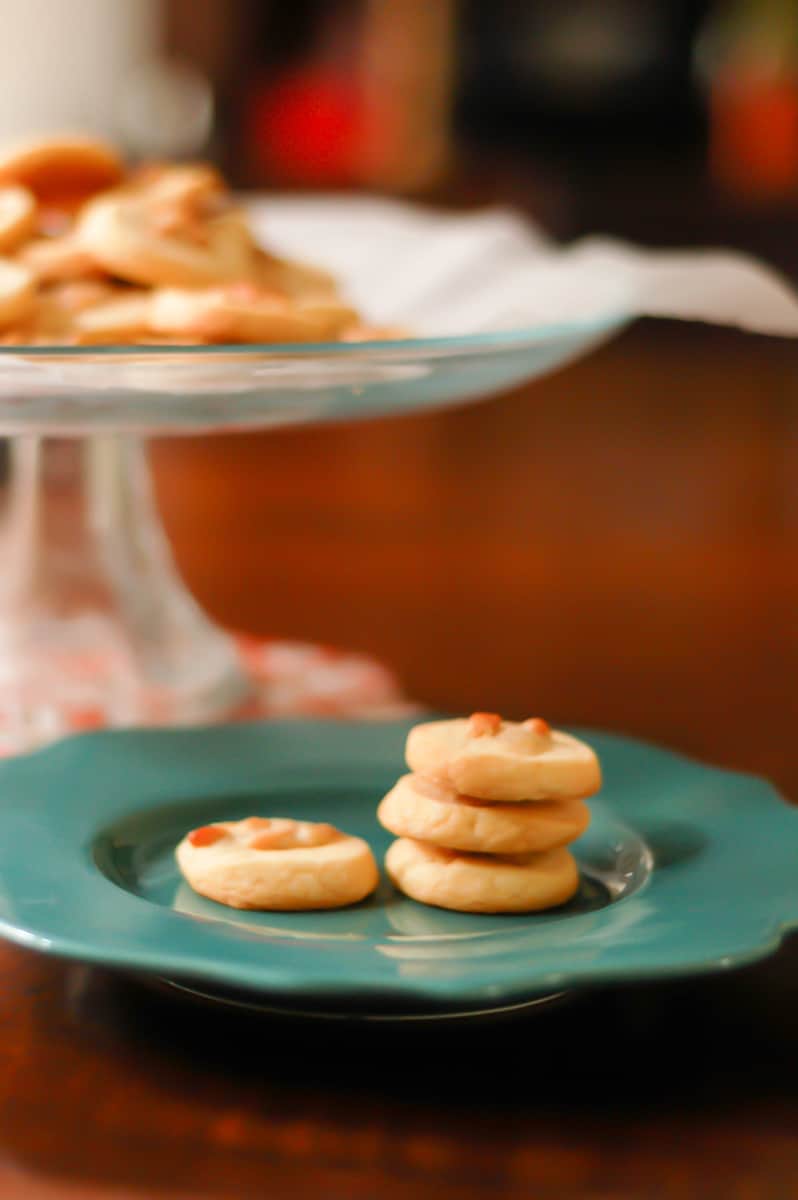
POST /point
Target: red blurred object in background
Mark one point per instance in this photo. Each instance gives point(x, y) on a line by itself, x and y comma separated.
point(751, 51)
point(754, 143)
point(369, 106)
point(307, 127)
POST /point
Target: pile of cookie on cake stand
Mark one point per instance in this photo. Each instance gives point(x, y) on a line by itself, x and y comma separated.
point(96, 626)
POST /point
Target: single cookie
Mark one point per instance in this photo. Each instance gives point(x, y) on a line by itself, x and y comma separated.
point(125, 318)
point(125, 234)
point(491, 759)
point(59, 260)
point(60, 170)
point(188, 188)
point(481, 883)
point(52, 319)
point(75, 296)
point(243, 312)
point(299, 281)
point(361, 332)
point(17, 293)
point(420, 808)
point(17, 217)
point(181, 201)
point(277, 864)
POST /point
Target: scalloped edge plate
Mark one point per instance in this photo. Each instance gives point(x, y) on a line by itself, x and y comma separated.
point(702, 871)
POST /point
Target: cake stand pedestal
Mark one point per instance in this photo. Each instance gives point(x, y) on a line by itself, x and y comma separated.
point(96, 627)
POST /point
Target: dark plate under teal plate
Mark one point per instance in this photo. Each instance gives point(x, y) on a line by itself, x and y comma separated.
point(685, 868)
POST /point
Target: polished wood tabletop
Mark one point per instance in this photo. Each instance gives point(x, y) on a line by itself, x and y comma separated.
point(616, 545)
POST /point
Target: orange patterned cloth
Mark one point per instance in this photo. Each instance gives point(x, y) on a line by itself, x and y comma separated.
point(300, 679)
point(288, 679)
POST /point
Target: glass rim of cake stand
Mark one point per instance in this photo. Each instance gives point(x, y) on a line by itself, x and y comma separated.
point(499, 339)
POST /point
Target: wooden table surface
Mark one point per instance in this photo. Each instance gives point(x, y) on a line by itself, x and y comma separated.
point(617, 545)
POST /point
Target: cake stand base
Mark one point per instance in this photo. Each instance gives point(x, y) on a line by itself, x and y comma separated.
point(96, 627)
point(267, 1006)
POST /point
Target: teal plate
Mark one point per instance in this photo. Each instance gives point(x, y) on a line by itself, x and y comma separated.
point(685, 868)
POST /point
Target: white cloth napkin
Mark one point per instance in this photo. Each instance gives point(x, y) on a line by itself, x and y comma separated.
point(443, 273)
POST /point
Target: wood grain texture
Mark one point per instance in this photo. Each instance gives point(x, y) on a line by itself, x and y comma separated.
point(616, 545)
point(667, 1092)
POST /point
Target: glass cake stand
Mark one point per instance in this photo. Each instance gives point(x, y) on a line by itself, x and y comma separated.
point(96, 626)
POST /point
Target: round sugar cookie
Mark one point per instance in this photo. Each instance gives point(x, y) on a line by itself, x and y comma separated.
point(63, 170)
point(59, 260)
point(277, 864)
point(17, 293)
point(123, 233)
point(123, 318)
point(297, 280)
point(243, 312)
point(490, 759)
point(420, 808)
point(186, 185)
point(481, 883)
point(17, 217)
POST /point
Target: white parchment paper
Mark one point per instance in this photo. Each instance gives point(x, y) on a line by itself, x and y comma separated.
point(442, 273)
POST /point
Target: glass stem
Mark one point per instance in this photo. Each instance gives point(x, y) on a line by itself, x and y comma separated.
point(93, 614)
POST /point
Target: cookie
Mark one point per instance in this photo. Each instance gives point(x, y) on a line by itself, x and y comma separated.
point(52, 319)
point(481, 883)
point(70, 214)
point(491, 759)
point(277, 864)
point(17, 293)
point(122, 319)
point(243, 312)
point(17, 217)
point(75, 296)
point(126, 235)
point(299, 281)
point(59, 260)
point(361, 332)
point(420, 808)
point(186, 187)
point(60, 170)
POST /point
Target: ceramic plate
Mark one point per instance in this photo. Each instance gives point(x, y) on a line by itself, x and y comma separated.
point(685, 868)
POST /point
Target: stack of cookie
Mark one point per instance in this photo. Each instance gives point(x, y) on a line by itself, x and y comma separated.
point(484, 821)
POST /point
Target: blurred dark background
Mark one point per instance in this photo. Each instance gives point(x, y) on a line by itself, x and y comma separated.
point(613, 545)
point(673, 121)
